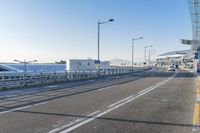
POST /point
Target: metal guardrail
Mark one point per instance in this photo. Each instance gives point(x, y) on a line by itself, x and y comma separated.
point(18, 79)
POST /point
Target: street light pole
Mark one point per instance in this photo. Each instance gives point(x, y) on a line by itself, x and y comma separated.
point(98, 39)
point(145, 52)
point(133, 40)
point(150, 50)
point(25, 67)
point(132, 54)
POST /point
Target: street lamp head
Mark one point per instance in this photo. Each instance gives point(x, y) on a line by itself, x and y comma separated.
point(111, 20)
point(18, 61)
point(139, 38)
point(25, 61)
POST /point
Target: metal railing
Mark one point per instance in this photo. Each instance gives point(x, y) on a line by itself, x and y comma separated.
point(18, 79)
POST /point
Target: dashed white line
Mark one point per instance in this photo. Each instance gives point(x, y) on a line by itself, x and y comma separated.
point(25, 107)
point(108, 87)
point(3, 112)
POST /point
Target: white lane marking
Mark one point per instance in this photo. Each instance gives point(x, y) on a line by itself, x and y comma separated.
point(111, 105)
point(51, 86)
point(3, 112)
point(113, 108)
point(145, 89)
point(74, 122)
point(156, 86)
point(107, 87)
point(159, 83)
point(41, 103)
point(25, 107)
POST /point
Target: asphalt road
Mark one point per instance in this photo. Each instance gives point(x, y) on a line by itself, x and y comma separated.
point(146, 102)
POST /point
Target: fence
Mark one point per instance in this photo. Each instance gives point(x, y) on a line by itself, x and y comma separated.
point(19, 79)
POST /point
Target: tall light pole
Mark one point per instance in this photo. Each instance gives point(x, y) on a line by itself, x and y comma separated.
point(99, 23)
point(25, 69)
point(133, 40)
point(145, 52)
point(151, 51)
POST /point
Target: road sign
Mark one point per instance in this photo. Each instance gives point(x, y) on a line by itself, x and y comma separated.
point(187, 42)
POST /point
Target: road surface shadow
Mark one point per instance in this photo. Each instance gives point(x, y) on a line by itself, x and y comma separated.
point(109, 119)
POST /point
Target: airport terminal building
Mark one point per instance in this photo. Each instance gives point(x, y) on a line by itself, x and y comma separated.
point(195, 41)
point(174, 57)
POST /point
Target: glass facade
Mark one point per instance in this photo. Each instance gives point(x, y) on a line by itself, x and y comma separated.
point(194, 6)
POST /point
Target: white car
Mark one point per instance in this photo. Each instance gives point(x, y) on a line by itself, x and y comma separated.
point(171, 68)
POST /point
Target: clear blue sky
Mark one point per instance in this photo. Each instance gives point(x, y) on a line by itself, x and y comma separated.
point(51, 30)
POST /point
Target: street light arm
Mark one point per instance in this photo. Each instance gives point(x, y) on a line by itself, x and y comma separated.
point(31, 61)
point(139, 38)
point(18, 61)
point(25, 61)
point(103, 22)
point(148, 46)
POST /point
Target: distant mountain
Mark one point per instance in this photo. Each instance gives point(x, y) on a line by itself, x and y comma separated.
point(120, 62)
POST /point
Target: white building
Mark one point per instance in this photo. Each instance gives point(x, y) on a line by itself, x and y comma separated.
point(174, 57)
point(86, 65)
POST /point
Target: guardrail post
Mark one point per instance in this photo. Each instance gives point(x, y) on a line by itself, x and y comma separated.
point(76, 77)
point(25, 80)
point(3, 81)
point(90, 73)
point(66, 75)
point(54, 76)
point(41, 78)
point(84, 74)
